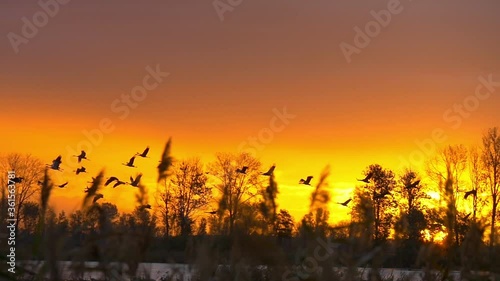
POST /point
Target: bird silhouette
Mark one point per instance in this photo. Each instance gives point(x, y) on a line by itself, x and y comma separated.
point(135, 182)
point(112, 179)
point(307, 181)
point(413, 185)
point(212, 212)
point(270, 172)
point(130, 162)
point(63, 185)
point(144, 153)
point(345, 203)
point(367, 178)
point(18, 179)
point(56, 163)
point(118, 182)
point(381, 195)
point(97, 197)
point(242, 170)
point(470, 192)
point(81, 170)
point(83, 155)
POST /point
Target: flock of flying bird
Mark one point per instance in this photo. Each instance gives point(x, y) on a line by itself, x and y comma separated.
point(56, 163)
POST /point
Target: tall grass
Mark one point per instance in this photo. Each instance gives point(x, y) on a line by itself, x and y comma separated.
point(317, 253)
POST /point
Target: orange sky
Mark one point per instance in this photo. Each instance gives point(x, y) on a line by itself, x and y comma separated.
point(227, 77)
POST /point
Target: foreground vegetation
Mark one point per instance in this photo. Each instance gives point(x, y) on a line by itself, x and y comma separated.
point(213, 215)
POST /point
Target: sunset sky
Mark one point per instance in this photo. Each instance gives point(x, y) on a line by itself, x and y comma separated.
point(228, 78)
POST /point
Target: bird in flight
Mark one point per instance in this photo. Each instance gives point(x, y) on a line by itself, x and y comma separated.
point(270, 172)
point(367, 178)
point(470, 192)
point(212, 212)
point(81, 170)
point(381, 195)
point(18, 179)
point(118, 182)
point(144, 153)
point(112, 179)
point(135, 182)
point(130, 162)
point(56, 163)
point(307, 181)
point(345, 203)
point(242, 170)
point(63, 185)
point(413, 185)
point(97, 197)
point(83, 155)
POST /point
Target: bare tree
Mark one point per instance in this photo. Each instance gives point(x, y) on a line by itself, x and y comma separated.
point(446, 168)
point(235, 186)
point(29, 170)
point(477, 179)
point(188, 193)
point(491, 163)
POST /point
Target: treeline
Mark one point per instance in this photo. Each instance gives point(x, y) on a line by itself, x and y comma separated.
point(221, 213)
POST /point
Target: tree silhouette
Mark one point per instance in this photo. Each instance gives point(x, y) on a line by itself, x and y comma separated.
point(164, 197)
point(380, 193)
point(315, 224)
point(62, 222)
point(30, 213)
point(446, 169)
point(268, 206)
point(187, 193)
point(412, 193)
point(31, 170)
point(284, 224)
point(491, 163)
point(477, 179)
point(235, 188)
